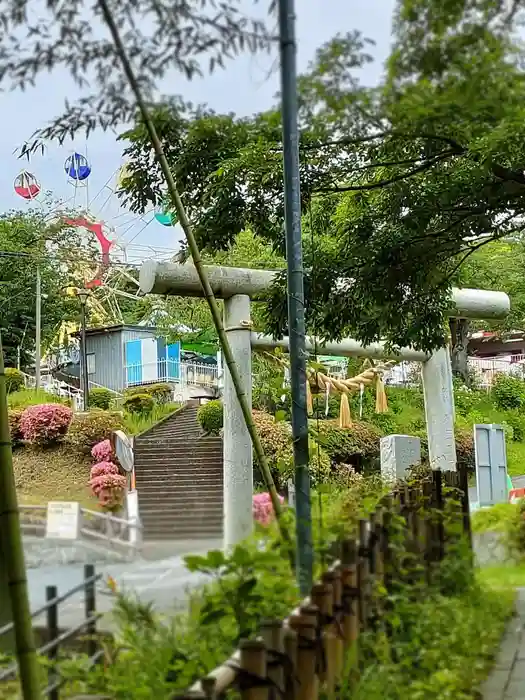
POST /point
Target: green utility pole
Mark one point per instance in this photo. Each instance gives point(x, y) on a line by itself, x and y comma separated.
point(295, 274)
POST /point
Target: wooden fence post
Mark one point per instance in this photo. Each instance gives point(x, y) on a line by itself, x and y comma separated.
point(428, 529)
point(272, 634)
point(322, 597)
point(465, 505)
point(350, 595)
point(52, 633)
point(90, 604)
point(307, 680)
point(363, 573)
point(440, 530)
point(333, 579)
point(290, 670)
point(208, 687)
point(253, 661)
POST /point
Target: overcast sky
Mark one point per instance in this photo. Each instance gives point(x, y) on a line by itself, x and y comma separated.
point(244, 87)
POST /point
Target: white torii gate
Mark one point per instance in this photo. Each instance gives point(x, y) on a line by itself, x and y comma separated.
point(237, 286)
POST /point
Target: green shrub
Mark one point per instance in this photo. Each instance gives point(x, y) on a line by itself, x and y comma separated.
point(515, 531)
point(508, 392)
point(139, 403)
point(15, 430)
point(517, 422)
point(14, 379)
point(494, 519)
point(87, 429)
point(161, 393)
point(211, 418)
point(357, 446)
point(100, 397)
point(136, 423)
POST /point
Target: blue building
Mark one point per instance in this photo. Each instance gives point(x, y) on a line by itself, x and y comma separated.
point(123, 355)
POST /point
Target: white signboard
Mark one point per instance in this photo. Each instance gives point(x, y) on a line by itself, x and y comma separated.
point(63, 520)
point(123, 448)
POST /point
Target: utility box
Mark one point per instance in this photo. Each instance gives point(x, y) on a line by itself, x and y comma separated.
point(491, 464)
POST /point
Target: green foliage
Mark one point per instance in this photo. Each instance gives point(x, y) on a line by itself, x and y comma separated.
point(141, 403)
point(136, 423)
point(211, 416)
point(439, 647)
point(161, 393)
point(493, 519)
point(14, 379)
point(399, 212)
point(357, 446)
point(100, 397)
point(87, 429)
point(15, 431)
point(509, 392)
point(32, 397)
point(35, 238)
point(150, 654)
point(515, 531)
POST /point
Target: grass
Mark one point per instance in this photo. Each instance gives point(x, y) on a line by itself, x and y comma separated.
point(502, 578)
point(515, 458)
point(137, 423)
point(493, 519)
point(32, 397)
point(55, 474)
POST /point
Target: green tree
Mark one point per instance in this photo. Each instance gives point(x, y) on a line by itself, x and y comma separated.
point(401, 184)
point(28, 241)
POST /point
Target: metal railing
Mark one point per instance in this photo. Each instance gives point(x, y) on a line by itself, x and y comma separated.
point(55, 638)
point(95, 525)
point(181, 373)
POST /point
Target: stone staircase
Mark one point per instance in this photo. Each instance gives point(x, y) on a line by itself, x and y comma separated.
point(179, 479)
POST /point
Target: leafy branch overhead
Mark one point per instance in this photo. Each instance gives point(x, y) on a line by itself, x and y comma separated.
point(161, 36)
point(401, 184)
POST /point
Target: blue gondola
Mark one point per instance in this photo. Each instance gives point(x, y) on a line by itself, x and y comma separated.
point(77, 167)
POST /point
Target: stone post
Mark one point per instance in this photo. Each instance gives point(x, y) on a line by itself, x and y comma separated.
point(398, 454)
point(237, 449)
point(439, 410)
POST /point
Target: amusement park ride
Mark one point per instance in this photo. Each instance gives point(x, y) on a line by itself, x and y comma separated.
point(115, 236)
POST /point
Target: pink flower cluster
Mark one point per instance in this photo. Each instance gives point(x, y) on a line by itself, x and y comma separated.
point(107, 485)
point(102, 468)
point(262, 508)
point(45, 424)
point(102, 451)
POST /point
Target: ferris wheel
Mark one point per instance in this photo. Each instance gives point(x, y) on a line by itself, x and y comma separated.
point(120, 238)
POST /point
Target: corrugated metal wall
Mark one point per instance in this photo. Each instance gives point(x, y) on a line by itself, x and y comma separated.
point(109, 359)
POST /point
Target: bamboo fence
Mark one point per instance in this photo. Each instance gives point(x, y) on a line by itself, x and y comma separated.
point(305, 656)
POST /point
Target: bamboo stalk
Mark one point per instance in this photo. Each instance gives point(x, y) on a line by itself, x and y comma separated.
point(12, 553)
point(197, 261)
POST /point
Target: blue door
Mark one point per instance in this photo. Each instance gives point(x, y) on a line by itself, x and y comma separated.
point(133, 362)
point(173, 369)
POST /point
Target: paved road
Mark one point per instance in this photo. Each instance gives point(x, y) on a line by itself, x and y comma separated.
point(165, 583)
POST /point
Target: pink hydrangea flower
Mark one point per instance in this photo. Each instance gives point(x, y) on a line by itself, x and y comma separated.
point(102, 451)
point(45, 423)
point(262, 508)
